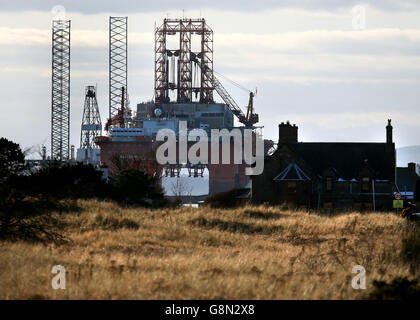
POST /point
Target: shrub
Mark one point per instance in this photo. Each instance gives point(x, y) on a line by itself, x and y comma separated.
point(80, 181)
point(12, 160)
point(227, 199)
point(21, 216)
point(397, 289)
point(137, 187)
point(29, 219)
point(66, 181)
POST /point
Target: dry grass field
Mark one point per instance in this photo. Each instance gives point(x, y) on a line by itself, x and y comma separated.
point(202, 253)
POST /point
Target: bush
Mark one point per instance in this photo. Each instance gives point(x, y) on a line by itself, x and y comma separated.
point(227, 199)
point(136, 187)
point(12, 160)
point(66, 181)
point(29, 219)
point(27, 197)
point(21, 216)
point(398, 289)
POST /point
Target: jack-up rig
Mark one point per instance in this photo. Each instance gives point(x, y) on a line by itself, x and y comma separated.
point(184, 84)
point(183, 91)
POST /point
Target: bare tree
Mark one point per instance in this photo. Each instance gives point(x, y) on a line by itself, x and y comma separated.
point(180, 187)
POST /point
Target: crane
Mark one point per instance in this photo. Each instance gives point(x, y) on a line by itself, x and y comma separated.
point(250, 118)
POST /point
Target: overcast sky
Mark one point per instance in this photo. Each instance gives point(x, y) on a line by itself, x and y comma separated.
point(313, 62)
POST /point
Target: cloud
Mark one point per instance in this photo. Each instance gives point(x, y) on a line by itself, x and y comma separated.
point(309, 65)
point(79, 37)
point(124, 6)
point(372, 56)
point(316, 56)
point(381, 41)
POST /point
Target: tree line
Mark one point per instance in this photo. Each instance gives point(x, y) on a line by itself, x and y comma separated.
point(28, 195)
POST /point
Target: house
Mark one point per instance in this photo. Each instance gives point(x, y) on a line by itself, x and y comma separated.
point(332, 175)
point(408, 182)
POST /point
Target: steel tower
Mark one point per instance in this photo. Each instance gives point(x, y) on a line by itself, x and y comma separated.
point(91, 121)
point(165, 59)
point(60, 95)
point(117, 62)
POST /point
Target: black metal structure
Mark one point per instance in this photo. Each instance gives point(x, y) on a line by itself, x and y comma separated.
point(91, 121)
point(117, 62)
point(60, 94)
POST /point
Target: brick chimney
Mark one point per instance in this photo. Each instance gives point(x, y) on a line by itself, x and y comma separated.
point(390, 149)
point(412, 167)
point(389, 132)
point(287, 132)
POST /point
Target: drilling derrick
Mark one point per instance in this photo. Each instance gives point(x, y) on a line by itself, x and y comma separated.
point(117, 62)
point(91, 121)
point(91, 128)
point(60, 95)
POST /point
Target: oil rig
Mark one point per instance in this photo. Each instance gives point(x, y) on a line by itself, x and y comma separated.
point(183, 91)
point(184, 87)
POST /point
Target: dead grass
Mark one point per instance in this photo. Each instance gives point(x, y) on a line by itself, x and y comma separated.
point(247, 253)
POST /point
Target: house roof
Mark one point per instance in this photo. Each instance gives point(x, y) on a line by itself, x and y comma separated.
point(406, 179)
point(347, 158)
point(292, 173)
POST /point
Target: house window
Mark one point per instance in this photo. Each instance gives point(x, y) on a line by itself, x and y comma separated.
point(291, 186)
point(365, 184)
point(328, 183)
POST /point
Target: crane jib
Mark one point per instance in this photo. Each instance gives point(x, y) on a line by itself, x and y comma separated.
point(250, 119)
